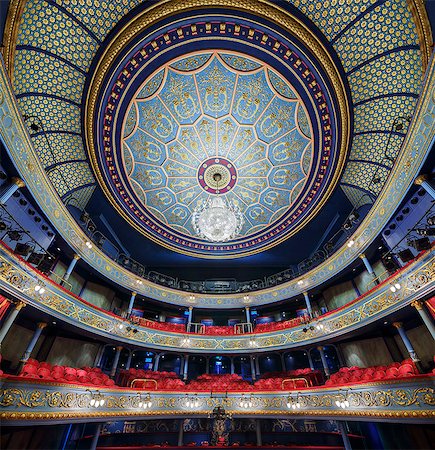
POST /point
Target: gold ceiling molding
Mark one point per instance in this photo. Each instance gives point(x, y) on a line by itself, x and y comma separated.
point(261, 8)
point(424, 32)
point(12, 25)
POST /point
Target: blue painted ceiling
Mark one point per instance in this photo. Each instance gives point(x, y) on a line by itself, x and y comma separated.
point(375, 43)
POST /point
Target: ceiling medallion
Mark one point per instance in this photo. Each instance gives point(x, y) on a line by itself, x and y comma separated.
point(217, 219)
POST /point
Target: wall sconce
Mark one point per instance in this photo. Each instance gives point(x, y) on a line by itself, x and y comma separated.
point(146, 402)
point(97, 399)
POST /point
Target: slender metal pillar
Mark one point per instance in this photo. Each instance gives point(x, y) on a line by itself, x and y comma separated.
point(186, 367)
point(10, 319)
point(70, 269)
point(180, 433)
point(427, 319)
point(368, 266)
point(284, 368)
point(342, 428)
point(128, 363)
point(99, 356)
point(94, 441)
point(258, 432)
point(10, 188)
point(248, 314)
point(253, 368)
point(257, 366)
point(423, 181)
point(324, 362)
point(131, 304)
point(116, 361)
point(231, 364)
point(156, 362)
point(310, 360)
point(308, 303)
point(189, 317)
point(207, 367)
point(39, 327)
point(406, 341)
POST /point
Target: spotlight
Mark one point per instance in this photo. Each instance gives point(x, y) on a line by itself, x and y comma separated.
point(35, 258)
point(350, 243)
point(405, 255)
point(88, 244)
point(421, 244)
point(425, 231)
point(14, 235)
point(22, 249)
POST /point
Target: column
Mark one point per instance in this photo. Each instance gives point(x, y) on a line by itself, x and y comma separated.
point(186, 367)
point(162, 317)
point(310, 360)
point(283, 362)
point(342, 429)
point(406, 341)
point(100, 352)
point(423, 181)
point(189, 317)
point(96, 436)
point(40, 326)
point(324, 362)
point(308, 303)
point(71, 266)
point(248, 314)
point(368, 266)
point(128, 363)
point(131, 304)
point(257, 366)
point(425, 316)
point(10, 188)
point(116, 361)
point(253, 369)
point(10, 319)
point(258, 432)
point(156, 362)
point(232, 364)
point(180, 433)
point(207, 366)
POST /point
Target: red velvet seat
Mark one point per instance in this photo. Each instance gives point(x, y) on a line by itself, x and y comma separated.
point(29, 371)
point(405, 370)
point(392, 372)
point(379, 375)
point(44, 373)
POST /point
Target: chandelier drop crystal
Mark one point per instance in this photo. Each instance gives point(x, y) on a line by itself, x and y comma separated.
point(217, 219)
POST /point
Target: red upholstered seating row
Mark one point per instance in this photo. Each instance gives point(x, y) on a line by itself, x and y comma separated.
point(347, 375)
point(221, 383)
point(165, 380)
point(62, 374)
point(274, 380)
point(274, 326)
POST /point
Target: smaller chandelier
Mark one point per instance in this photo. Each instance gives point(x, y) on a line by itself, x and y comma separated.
point(217, 219)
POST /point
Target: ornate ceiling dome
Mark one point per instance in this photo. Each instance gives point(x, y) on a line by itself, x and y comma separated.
point(270, 119)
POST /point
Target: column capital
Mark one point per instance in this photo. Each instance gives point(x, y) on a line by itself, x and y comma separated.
point(41, 325)
point(119, 348)
point(19, 305)
point(421, 179)
point(133, 293)
point(190, 308)
point(320, 348)
point(417, 304)
point(305, 293)
point(397, 325)
point(76, 256)
point(362, 255)
point(247, 307)
point(18, 181)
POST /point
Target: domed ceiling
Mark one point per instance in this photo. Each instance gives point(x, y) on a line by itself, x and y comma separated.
point(217, 113)
point(145, 102)
point(270, 119)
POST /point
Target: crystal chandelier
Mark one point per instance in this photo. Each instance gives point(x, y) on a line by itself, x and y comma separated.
point(217, 219)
